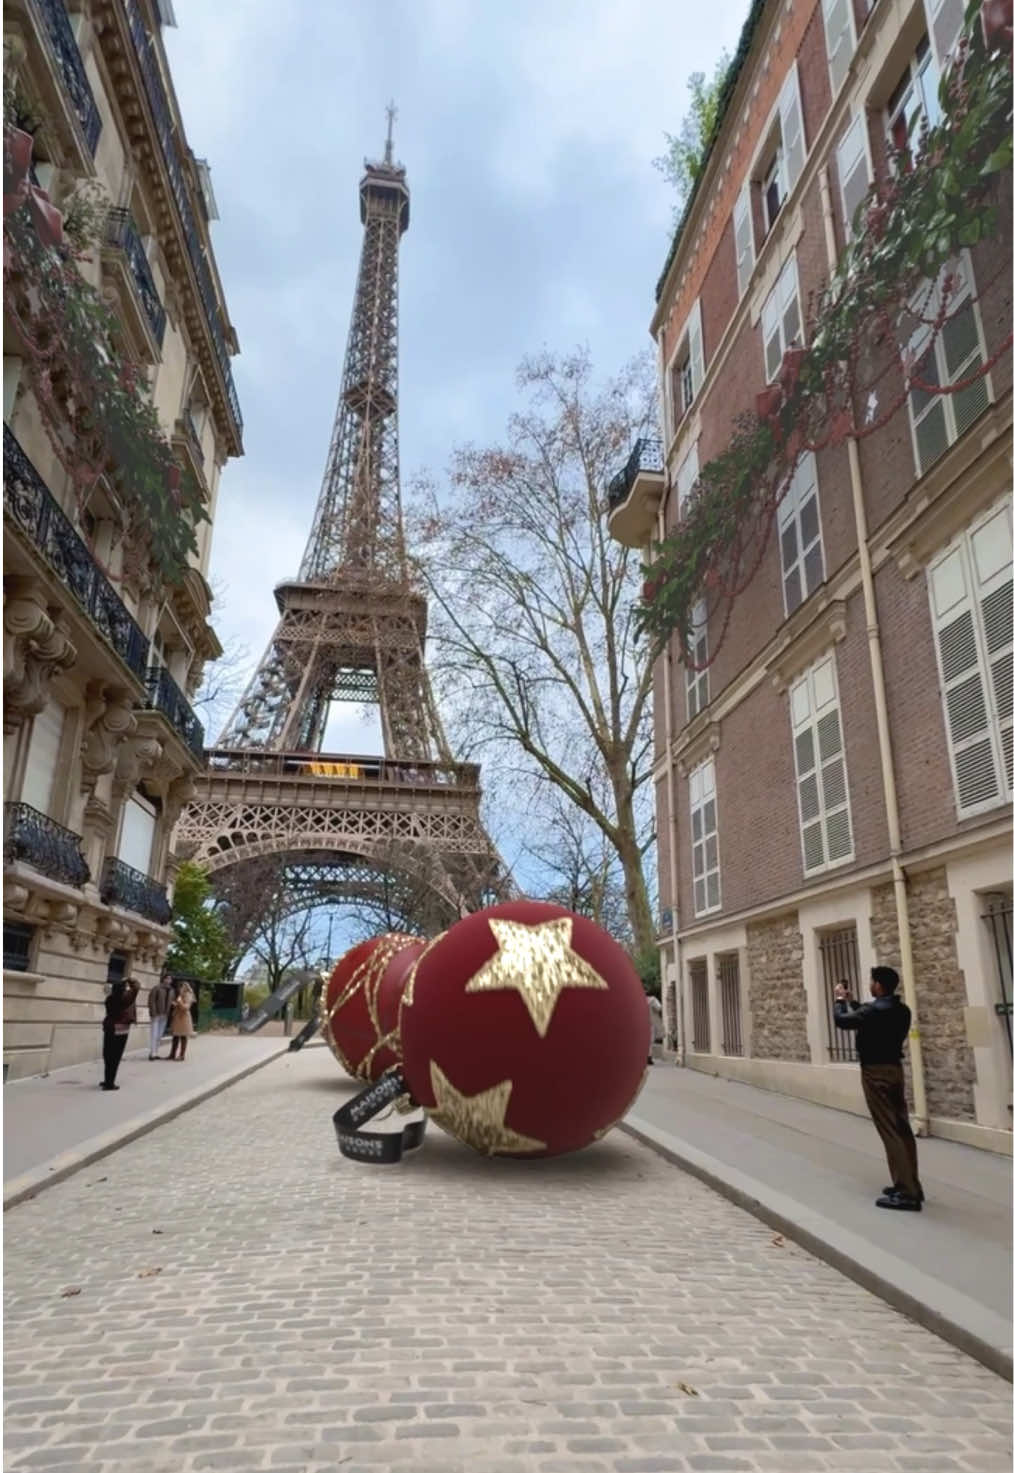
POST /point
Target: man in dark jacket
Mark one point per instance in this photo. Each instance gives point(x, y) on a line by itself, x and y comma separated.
point(121, 1012)
point(881, 1027)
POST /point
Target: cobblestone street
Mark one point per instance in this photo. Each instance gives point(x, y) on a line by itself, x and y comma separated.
point(228, 1293)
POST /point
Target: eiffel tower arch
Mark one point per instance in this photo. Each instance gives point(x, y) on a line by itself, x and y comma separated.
point(274, 814)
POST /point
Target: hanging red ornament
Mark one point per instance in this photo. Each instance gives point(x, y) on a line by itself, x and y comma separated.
point(525, 1030)
point(360, 1003)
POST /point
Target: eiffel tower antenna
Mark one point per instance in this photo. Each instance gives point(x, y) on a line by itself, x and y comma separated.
point(276, 814)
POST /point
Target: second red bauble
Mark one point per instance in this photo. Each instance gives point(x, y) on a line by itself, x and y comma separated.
point(361, 1001)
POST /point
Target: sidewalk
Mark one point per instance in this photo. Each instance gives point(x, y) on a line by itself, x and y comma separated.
point(813, 1174)
point(56, 1124)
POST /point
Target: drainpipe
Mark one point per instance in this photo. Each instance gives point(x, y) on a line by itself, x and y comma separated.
point(670, 789)
point(920, 1120)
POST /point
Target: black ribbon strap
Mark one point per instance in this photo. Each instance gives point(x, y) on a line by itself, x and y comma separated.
point(382, 1148)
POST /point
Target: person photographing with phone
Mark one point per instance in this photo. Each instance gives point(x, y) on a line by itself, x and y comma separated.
point(881, 1027)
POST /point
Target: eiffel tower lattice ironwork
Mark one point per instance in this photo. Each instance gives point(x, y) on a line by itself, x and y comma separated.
point(274, 815)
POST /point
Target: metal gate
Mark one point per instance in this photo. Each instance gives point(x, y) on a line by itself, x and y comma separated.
point(728, 983)
point(699, 1002)
point(997, 916)
point(839, 960)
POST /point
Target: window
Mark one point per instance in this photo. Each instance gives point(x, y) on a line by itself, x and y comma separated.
point(839, 962)
point(37, 790)
point(855, 173)
point(825, 824)
point(970, 588)
point(773, 190)
point(687, 476)
point(688, 372)
point(728, 986)
point(699, 1008)
point(946, 18)
point(953, 353)
point(781, 318)
point(781, 161)
point(137, 833)
point(799, 535)
point(18, 946)
point(697, 673)
point(839, 35)
point(914, 104)
point(704, 838)
point(742, 227)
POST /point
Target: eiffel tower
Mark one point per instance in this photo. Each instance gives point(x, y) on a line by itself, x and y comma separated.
point(274, 815)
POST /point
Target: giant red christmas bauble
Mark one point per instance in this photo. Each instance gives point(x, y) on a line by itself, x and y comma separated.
point(361, 1001)
point(525, 1030)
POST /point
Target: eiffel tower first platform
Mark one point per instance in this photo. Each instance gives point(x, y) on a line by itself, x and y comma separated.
point(274, 814)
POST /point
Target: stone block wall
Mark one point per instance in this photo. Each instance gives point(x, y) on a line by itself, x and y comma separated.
point(948, 1060)
point(774, 951)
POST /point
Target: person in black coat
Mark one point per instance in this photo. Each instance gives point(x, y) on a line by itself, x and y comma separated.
point(881, 1027)
point(121, 1012)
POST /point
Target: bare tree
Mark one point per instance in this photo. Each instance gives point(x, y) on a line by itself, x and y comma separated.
point(535, 654)
point(283, 942)
point(224, 678)
point(579, 867)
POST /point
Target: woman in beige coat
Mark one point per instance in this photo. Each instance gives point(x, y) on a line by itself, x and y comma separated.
point(181, 1022)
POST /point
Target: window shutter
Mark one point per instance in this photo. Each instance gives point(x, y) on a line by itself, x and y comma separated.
point(695, 335)
point(687, 475)
point(946, 18)
point(966, 713)
point(137, 834)
point(793, 143)
point(43, 757)
point(742, 224)
point(991, 559)
point(668, 419)
point(771, 329)
point(853, 171)
point(839, 38)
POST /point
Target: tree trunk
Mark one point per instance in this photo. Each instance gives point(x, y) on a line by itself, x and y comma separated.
point(635, 889)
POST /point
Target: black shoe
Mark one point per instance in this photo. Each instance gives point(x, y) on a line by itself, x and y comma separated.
point(894, 1191)
point(108, 1086)
point(898, 1202)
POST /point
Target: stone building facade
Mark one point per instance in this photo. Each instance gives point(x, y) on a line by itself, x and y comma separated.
point(103, 653)
point(862, 686)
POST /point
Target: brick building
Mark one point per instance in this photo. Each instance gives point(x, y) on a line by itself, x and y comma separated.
point(833, 789)
point(103, 652)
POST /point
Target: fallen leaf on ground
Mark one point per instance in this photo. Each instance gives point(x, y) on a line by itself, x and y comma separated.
point(149, 1273)
point(156, 1230)
point(687, 1390)
point(777, 1240)
point(96, 1182)
point(69, 1293)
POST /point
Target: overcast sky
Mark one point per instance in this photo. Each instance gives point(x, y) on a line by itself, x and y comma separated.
point(528, 129)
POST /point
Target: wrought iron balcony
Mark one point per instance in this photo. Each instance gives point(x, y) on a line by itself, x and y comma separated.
point(134, 891)
point(162, 116)
point(645, 456)
point(165, 695)
point(45, 845)
point(121, 231)
point(68, 58)
point(31, 505)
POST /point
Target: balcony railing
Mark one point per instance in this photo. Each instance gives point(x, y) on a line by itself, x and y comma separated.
point(165, 695)
point(134, 891)
point(645, 456)
point(121, 231)
point(159, 104)
point(68, 58)
point(31, 505)
point(45, 845)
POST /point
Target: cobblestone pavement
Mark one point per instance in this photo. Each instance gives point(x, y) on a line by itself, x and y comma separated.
point(603, 1312)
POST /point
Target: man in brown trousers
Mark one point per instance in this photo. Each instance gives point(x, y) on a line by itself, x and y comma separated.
point(881, 1027)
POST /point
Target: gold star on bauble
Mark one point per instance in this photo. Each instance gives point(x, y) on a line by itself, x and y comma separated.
point(538, 962)
point(478, 1120)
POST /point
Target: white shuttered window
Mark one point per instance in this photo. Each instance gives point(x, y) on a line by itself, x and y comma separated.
point(945, 18)
point(839, 33)
point(742, 226)
point(137, 833)
point(970, 589)
point(790, 112)
point(799, 537)
point(704, 838)
point(687, 476)
point(781, 317)
point(946, 357)
point(697, 671)
point(43, 758)
point(854, 171)
point(825, 822)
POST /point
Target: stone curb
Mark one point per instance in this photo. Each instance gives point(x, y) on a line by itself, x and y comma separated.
point(955, 1317)
point(59, 1168)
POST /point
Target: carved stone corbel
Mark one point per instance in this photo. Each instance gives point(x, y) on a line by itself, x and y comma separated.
point(35, 649)
point(138, 755)
point(109, 721)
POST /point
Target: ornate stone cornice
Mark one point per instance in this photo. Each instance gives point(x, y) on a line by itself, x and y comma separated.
point(696, 742)
point(109, 721)
point(802, 642)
